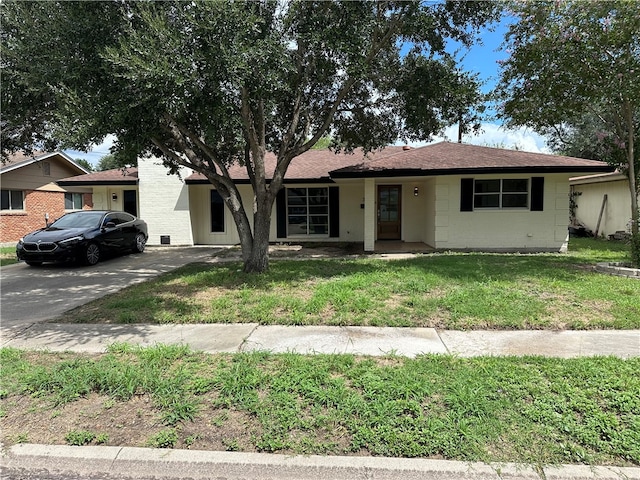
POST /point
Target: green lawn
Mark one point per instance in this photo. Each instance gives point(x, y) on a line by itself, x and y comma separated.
point(8, 256)
point(453, 291)
point(533, 410)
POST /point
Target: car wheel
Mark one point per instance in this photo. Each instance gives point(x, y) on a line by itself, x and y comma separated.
point(91, 254)
point(33, 264)
point(140, 243)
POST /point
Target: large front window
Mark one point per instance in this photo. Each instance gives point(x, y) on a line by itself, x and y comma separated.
point(307, 211)
point(501, 193)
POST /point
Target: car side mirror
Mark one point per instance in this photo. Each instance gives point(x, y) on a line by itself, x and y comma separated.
point(109, 225)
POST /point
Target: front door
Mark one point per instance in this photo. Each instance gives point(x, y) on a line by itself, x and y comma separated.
point(389, 212)
point(130, 202)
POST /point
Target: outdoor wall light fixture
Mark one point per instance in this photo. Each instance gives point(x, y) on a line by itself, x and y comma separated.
point(114, 197)
point(415, 191)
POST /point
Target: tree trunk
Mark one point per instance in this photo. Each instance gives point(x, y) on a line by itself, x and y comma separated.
point(257, 259)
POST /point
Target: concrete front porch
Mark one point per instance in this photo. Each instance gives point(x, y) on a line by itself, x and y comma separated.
point(398, 246)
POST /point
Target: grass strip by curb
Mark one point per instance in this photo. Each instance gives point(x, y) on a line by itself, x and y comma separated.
point(496, 409)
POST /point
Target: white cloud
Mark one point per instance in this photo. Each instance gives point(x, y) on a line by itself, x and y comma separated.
point(94, 155)
point(494, 135)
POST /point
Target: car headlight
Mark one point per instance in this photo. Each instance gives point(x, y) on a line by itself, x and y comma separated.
point(72, 240)
point(21, 241)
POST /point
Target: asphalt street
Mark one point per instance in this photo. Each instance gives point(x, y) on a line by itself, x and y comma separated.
point(30, 295)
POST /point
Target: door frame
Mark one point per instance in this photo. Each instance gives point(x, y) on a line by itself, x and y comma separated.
point(393, 235)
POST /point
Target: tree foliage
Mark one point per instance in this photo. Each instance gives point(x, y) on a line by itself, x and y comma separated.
point(84, 164)
point(108, 162)
point(573, 69)
point(207, 84)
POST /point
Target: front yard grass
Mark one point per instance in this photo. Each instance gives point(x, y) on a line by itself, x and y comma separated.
point(8, 256)
point(451, 291)
point(533, 410)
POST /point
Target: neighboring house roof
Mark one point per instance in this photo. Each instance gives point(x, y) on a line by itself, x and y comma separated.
point(20, 159)
point(598, 178)
point(462, 159)
point(116, 176)
point(311, 166)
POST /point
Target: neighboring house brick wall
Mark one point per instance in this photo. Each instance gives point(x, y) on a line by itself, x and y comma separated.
point(14, 225)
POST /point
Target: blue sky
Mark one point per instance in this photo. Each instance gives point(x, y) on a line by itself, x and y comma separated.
point(482, 59)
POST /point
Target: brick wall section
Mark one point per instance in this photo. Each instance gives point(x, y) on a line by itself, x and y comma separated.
point(14, 225)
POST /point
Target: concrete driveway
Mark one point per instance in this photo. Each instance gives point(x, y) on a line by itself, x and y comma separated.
point(34, 294)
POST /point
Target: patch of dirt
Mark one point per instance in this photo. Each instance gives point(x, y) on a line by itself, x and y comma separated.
point(124, 423)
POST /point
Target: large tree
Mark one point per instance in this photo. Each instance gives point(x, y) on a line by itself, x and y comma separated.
point(206, 84)
point(574, 68)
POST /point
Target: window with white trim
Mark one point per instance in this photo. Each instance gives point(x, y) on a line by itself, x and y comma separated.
point(73, 201)
point(501, 193)
point(308, 211)
point(12, 200)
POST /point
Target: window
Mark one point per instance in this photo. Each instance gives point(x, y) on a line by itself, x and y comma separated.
point(73, 201)
point(12, 200)
point(308, 211)
point(501, 193)
point(46, 169)
point(217, 212)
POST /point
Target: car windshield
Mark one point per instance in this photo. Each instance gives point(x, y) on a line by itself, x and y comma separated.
point(79, 220)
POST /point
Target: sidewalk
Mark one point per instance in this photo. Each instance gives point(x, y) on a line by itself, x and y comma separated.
point(409, 342)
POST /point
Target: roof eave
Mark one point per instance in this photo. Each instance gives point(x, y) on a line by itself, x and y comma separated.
point(404, 172)
point(96, 183)
point(244, 181)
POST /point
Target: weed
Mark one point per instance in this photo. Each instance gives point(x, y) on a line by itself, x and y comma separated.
point(164, 439)
point(79, 437)
point(191, 439)
point(231, 444)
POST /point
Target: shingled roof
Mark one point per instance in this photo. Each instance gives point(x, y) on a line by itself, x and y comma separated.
point(442, 158)
point(116, 176)
point(21, 159)
point(462, 159)
point(311, 166)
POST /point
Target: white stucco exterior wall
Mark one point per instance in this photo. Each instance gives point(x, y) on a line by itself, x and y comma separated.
point(617, 210)
point(164, 202)
point(496, 230)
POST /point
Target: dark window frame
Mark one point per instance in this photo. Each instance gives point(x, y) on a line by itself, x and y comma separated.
point(73, 197)
point(500, 194)
point(10, 202)
point(217, 216)
point(312, 211)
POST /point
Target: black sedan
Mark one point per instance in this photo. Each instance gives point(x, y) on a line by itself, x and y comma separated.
point(84, 236)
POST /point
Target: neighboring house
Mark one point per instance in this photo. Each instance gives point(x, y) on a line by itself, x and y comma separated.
point(115, 189)
point(30, 192)
point(589, 195)
point(446, 196)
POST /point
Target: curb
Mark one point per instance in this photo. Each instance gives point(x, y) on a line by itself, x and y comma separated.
point(145, 463)
point(618, 269)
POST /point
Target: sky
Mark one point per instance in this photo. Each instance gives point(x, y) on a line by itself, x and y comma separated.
point(481, 59)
